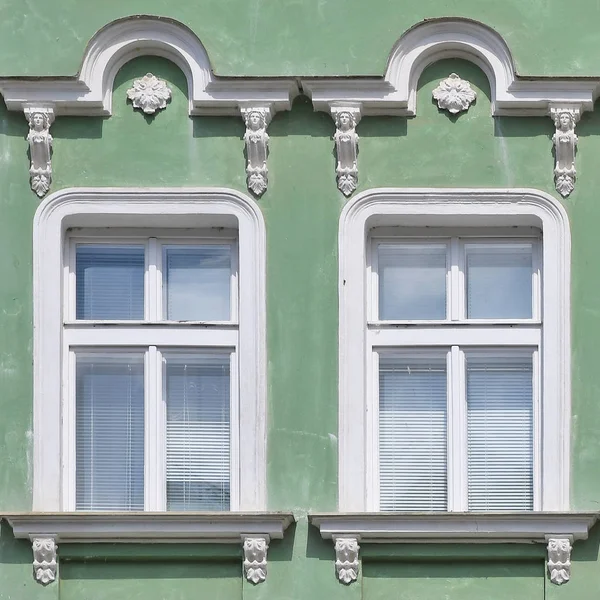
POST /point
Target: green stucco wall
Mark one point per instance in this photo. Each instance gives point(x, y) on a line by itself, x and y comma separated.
point(301, 210)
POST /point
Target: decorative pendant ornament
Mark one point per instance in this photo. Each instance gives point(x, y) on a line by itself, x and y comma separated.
point(149, 93)
point(256, 119)
point(44, 560)
point(565, 145)
point(346, 145)
point(559, 560)
point(454, 94)
point(255, 558)
point(40, 148)
point(346, 559)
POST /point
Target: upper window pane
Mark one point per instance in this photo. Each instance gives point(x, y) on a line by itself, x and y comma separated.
point(197, 283)
point(110, 282)
point(412, 281)
point(198, 423)
point(499, 281)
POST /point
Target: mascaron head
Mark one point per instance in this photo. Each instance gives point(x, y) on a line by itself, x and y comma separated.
point(38, 121)
point(344, 120)
point(255, 120)
point(564, 120)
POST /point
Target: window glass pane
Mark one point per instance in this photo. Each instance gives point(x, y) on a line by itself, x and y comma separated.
point(500, 432)
point(412, 281)
point(197, 283)
point(110, 282)
point(412, 433)
point(198, 399)
point(499, 281)
point(110, 431)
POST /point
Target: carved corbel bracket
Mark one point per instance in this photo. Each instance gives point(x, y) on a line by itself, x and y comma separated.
point(44, 559)
point(346, 117)
point(565, 118)
point(257, 119)
point(559, 559)
point(255, 557)
point(40, 147)
point(346, 558)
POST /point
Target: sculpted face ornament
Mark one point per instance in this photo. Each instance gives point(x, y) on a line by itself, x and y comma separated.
point(346, 146)
point(149, 94)
point(565, 146)
point(40, 148)
point(454, 94)
point(257, 147)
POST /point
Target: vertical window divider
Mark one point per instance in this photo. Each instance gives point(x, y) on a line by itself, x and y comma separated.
point(536, 287)
point(234, 434)
point(537, 432)
point(373, 279)
point(69, 425)
point(70, 283)
point(153, 435)
point(457, 432)
point(372, 489)
point(234, 294)
point(454, 291)
point(153, 287)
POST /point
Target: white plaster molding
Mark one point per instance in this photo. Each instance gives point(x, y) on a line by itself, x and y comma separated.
point(149, 93)
point(40, 147)
point(346, 119)
point(454, 94)
point(453, 207)
point(565, 146)
point(147, 207)
point(257, 119)
point(396, 92)
point(44, 559)
point(520, 527)
point(90, 92)
point(346, 558)
point(559, 559)
point(255, 557)
point(168, 527)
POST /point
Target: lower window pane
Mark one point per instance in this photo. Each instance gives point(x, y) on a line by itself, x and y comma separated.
point(110, 431)
point(412, 433)
point(500, 432)
point(198, 431)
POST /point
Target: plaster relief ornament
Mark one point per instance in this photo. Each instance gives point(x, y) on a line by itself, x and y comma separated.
point(149, 93)
point(565, 145)
point(256, 120)
point(559, 560)
point(44, 560)
point(255, 558)
point(454, 94)
point(346, 146)
point(40, 148)
point(346, 559)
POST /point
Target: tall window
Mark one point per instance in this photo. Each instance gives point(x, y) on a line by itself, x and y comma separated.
point(454, 389)
point(149, 387)
point(151, 332)
point(455, 331)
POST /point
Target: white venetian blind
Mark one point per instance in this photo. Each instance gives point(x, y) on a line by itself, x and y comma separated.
point(110, 282)
point(197, 283)
point(412, 433)
point(500, 432)
point(198, 431)
point(110, 431)
point(412, 281)
point(499, 281)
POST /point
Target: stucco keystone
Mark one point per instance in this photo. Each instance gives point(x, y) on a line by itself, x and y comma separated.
point(346, 117)
point(559, 559)
point(565, 118)
point(40, 147)
point(255, 557)
point(346, 558)
point(257, 119)
point(44, 559)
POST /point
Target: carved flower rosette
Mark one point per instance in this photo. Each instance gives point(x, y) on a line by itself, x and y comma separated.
point(454, 94)
point(149, 93)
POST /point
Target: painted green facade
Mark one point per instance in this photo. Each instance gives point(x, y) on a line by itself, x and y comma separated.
point(301, 208)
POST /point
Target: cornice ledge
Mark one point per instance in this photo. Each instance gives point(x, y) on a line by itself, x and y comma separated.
point(132, 527)
point(506, 527)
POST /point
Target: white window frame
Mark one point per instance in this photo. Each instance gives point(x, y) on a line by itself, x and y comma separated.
point(192, 209)
point(453, 209)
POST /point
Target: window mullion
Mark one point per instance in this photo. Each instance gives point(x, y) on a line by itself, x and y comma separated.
point(454, 291)
point(154, 436)
point(372, 434)
point(457, 432)
point(537, 432)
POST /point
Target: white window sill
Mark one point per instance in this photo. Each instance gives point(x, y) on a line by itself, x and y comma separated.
point(131, 527)
point(505, 527)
